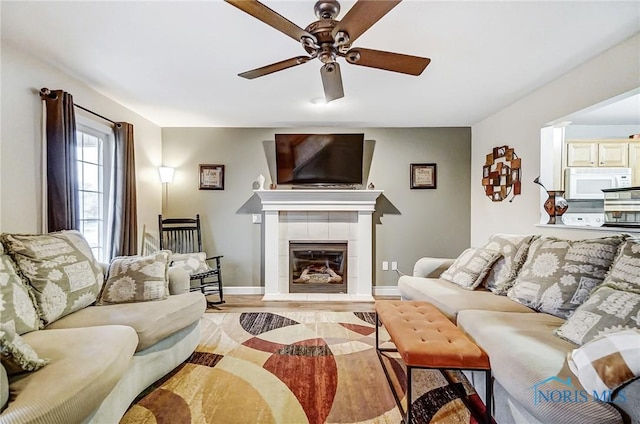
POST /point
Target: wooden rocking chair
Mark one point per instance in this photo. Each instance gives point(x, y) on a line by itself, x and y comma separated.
point(183, 237)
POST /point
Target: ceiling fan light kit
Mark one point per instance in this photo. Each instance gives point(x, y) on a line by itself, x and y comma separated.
point(327, 39)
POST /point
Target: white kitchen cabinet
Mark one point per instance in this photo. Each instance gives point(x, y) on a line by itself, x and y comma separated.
point(634, 162)
point(599, 153)
point(582, 154)
point(613, 154)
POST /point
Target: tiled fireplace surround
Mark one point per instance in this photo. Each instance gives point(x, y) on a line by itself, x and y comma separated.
point(318, 215)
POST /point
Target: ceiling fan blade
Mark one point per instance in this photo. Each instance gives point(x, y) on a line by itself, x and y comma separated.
point(362, 16)
point(332, 81)
point(396, 62)
point(269, 17)
point(274, 67)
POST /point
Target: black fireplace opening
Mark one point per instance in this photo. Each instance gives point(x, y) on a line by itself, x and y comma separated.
point(318, 267)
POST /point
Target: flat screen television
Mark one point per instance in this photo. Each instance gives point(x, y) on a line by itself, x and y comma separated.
point(319, 159)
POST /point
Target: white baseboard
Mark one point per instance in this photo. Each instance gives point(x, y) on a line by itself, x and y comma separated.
point(243, 290)
point(386, 291)
point(377, 291)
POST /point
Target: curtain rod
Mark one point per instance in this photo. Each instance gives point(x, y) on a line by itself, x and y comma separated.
point(48, 93)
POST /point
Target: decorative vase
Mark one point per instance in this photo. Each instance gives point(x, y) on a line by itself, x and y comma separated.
point(555, 205)
point(261, 181)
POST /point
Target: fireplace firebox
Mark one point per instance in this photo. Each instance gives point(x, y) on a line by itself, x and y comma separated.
point(317, 267)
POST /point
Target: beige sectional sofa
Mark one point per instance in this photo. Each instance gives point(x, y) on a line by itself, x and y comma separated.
point(100, 356)
point(529, 360)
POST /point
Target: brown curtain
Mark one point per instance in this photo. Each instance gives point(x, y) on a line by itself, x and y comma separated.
point(63, 211)
point(124, 219)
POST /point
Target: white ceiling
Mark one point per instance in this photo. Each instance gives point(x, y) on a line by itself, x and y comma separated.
point(176, 62)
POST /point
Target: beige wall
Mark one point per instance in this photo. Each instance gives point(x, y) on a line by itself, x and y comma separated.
point(414, 223)
point(20, 149)
point(612, 73)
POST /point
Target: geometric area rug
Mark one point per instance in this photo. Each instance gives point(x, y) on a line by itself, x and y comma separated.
point(294, 368)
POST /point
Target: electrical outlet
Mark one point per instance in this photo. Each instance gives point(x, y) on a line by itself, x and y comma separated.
point(256, 218)
point(394, 266)
point(385, 266)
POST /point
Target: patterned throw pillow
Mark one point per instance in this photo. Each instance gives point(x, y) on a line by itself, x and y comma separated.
point(625, 271)
point(137, 279)
point(558, 275)
point(193, 263)
point(16, 305)
point(61, 269)
point(608, 362)
point(514, 250)
point(470, 268)
point(17, 355)
point(607, 310)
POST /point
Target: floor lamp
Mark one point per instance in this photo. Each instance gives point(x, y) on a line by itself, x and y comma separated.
point(166, 177)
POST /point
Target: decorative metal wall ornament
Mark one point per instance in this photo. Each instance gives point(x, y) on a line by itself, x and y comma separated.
point(501, 174)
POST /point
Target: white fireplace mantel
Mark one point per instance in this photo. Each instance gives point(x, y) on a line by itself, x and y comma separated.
point(318, 200)
point(323, 211)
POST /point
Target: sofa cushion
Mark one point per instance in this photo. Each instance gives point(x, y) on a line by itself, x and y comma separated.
point(558, 275)
point(470, 268)
point(17, 356)
point(513, 249)
point(625, 270)
point(86, 364)
point(527, 358)
point(137, 279)
point(193, 263)
point(179, 281)
point(606, 311)
point(451, 299)
point(61, 269)
point(16, 304)
point(608, 362)
point(152, 321)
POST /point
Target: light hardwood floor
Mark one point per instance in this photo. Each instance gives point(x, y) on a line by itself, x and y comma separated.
point(254, 303)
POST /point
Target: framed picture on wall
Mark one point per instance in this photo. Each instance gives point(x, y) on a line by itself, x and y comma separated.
point(423, 175)
point(211, 177)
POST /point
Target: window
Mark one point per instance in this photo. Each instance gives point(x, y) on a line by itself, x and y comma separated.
point(93, 183)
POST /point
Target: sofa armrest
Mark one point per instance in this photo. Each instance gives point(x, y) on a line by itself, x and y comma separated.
point(4, 387)
point(178, 280)
point(627, 399)
point(431, 267)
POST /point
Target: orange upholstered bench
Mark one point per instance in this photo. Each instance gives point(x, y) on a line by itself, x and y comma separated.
point(425, 338)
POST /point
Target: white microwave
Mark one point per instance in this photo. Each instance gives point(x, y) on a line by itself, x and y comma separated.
point(587, 183)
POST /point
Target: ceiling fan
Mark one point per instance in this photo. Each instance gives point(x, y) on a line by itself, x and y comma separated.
point(327, 39)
